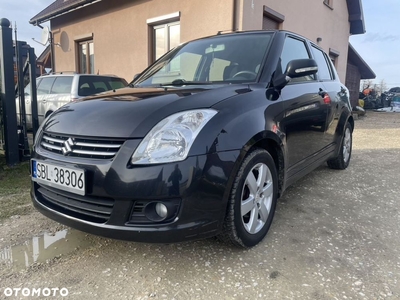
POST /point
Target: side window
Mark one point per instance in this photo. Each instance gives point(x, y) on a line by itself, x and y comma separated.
point(62, 85)
point(27, 90)
point(324, 72)
point(45, 86)
point(293, 49)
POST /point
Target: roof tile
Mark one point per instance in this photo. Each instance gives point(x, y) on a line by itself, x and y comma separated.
point(56, 8)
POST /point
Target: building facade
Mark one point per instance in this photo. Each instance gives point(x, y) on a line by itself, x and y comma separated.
point(123, 37)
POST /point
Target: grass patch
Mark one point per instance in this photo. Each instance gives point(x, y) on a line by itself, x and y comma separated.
point(15, 205)
point(15, 184)
point(13, 180)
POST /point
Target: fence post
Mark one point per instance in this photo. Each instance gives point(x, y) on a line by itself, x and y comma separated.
point(32, 80)
point(8, 93)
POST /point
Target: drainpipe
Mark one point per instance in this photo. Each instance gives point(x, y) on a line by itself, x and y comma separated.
point(53, 64)
point(234, 2)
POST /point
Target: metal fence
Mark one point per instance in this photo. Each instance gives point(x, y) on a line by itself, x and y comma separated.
point(13, 138)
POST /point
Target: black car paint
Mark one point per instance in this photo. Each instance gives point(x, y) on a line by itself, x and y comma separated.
point(287, 126)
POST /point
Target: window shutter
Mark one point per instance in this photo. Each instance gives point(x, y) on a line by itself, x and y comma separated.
point(269, 23)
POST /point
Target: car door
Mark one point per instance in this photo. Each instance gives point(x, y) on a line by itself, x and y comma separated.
point(304, 120)
point(43, 91)
point(334, 93)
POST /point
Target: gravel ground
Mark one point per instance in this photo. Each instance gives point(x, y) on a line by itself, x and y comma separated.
point(335, 236)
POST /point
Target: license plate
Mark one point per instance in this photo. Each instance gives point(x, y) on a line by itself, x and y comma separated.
point(67, 179)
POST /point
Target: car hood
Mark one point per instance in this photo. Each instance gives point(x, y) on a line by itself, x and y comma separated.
point(132, 112)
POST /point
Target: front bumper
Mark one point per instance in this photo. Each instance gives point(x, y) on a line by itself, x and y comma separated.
point(115, 188)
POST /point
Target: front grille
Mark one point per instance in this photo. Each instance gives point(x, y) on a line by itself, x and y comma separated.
point(93, 209)
point(80, 146)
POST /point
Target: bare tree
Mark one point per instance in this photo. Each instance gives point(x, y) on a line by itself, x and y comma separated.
point(382, 86)
point(366, 83)
point(378, 88)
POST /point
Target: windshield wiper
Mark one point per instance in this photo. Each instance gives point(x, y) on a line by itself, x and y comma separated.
point(180, 82)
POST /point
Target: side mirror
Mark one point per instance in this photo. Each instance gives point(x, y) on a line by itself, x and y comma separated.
point(294, 69)
point(136, 76)
point(301, 67)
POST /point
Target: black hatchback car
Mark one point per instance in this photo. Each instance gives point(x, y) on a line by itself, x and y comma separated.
point(203, 143)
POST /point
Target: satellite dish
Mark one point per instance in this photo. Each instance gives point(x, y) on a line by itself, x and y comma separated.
point(45, 35)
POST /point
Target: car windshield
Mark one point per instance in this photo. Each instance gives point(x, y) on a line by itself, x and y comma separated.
point(221, 59)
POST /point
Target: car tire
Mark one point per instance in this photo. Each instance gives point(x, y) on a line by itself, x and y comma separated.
point(342, 161)
point(252, 201)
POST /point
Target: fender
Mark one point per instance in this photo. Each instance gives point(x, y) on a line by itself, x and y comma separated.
point(345, 117)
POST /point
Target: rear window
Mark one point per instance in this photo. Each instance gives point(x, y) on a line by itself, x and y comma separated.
point(62, 85)
point(89, 85)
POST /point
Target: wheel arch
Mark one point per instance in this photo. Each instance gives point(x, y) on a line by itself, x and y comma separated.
point(270, 142)
point(345, 117)
point(276, 151)
point(351, 122)
point(48, 113)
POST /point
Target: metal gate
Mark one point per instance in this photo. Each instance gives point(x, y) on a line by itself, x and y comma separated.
point(13, 138)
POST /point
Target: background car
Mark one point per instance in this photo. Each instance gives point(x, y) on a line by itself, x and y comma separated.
point(57, 89)
point(202, 143)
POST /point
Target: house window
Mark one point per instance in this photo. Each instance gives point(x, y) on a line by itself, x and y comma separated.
point(334, 55)
point(333, 60)
point(86, 57)
point(165, 37)
point(272, 19)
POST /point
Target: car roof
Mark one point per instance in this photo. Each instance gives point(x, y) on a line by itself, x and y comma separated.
point(76, 74)
point(247, 32)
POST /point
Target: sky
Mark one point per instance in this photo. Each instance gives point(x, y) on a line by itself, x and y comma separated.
point(379, 46)
point(20, 12)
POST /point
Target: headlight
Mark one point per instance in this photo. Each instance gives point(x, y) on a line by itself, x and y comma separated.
point(170, 140)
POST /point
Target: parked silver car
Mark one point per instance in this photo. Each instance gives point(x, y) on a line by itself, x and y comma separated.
point(57, 89)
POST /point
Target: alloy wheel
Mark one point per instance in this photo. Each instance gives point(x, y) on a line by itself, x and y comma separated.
point(346, 145)
point(257, 195)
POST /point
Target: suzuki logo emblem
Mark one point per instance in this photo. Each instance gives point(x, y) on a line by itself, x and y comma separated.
point(67, 146)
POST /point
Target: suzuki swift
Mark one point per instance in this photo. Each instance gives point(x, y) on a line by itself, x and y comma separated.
point(202, 143)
